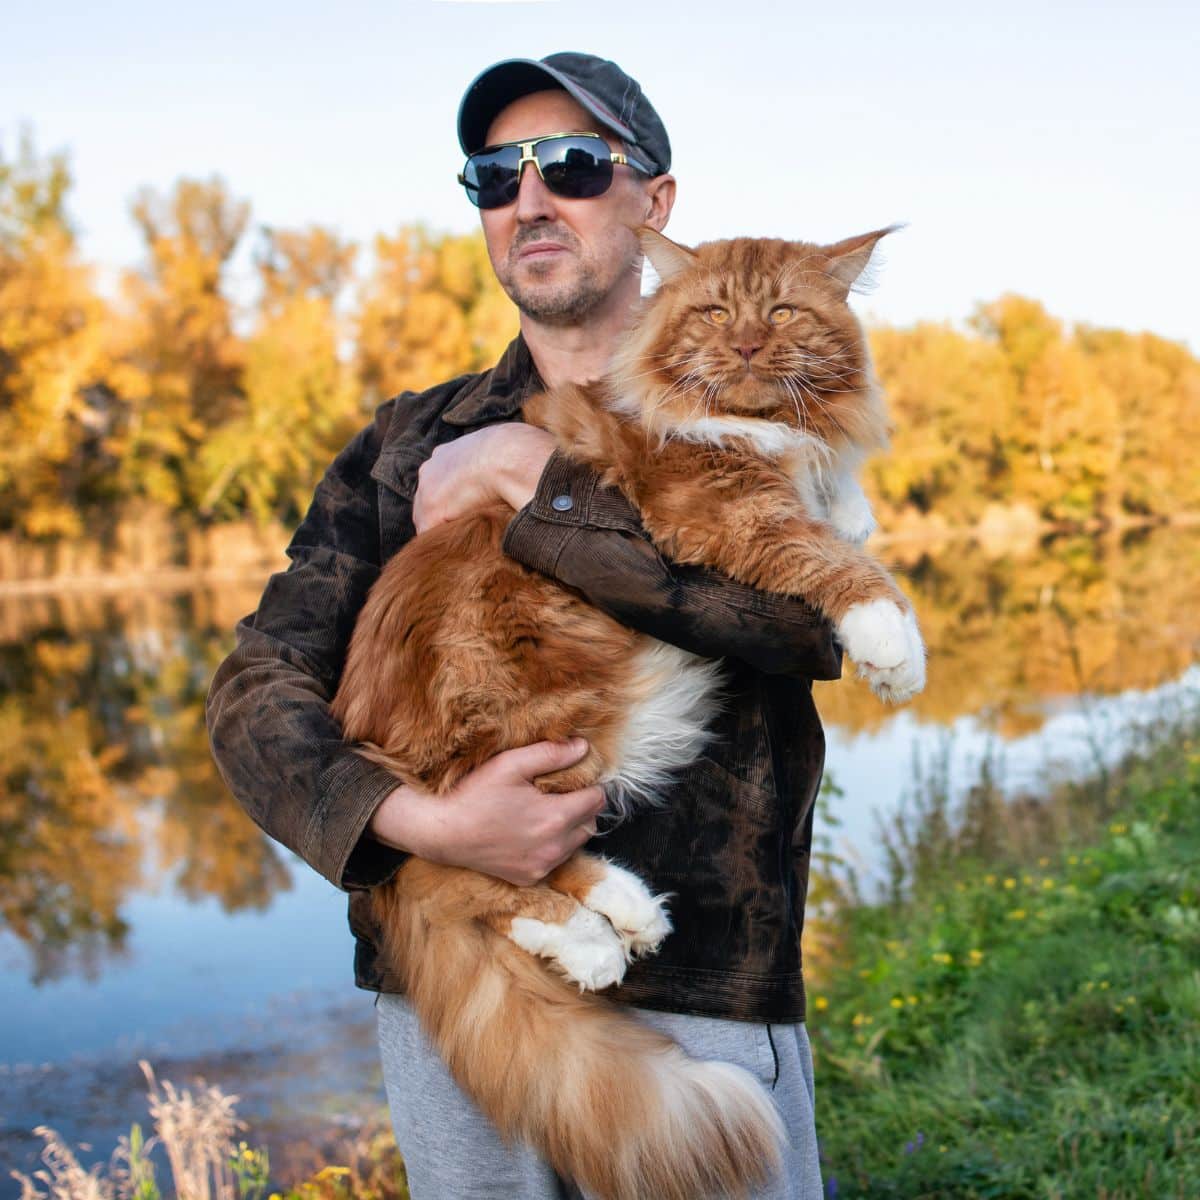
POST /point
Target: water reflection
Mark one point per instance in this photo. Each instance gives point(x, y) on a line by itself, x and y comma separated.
point(1012, 631)
point(108, 788)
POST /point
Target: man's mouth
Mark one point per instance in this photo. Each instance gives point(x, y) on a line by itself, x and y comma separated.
point(538, 249)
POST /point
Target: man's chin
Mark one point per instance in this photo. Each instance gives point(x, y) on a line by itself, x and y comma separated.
point(553, 300)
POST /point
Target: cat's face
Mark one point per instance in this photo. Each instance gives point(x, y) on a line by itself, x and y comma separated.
point(755, 328)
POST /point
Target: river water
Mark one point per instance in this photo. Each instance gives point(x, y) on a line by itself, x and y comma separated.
point(143, 916)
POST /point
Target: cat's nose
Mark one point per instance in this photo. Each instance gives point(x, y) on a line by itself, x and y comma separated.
point(749, 350)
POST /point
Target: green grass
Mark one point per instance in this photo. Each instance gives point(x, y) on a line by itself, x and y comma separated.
point(1027, 1028)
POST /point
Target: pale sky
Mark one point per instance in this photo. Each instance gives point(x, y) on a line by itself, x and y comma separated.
point(1051, 149)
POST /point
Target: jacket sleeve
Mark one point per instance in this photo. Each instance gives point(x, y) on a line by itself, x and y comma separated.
point(591, 538)
point(276, 744)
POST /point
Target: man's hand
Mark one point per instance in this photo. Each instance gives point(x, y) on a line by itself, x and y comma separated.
point(498, 462)
point(495, 820)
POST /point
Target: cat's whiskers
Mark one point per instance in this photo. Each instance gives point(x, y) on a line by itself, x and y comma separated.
point(794, 396)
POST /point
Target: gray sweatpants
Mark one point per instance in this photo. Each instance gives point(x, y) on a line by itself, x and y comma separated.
point(452, 1152)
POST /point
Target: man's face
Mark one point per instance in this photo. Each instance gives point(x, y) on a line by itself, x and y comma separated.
point(560, 259)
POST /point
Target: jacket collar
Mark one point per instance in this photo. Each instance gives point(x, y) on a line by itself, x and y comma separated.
point(499, 393)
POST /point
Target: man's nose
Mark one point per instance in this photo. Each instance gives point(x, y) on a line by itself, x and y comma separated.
point(535, 201)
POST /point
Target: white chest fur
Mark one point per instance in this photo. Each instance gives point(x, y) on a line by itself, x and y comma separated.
point(825, 480)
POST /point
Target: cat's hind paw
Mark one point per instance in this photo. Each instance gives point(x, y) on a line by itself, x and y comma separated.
point(584, 948)
point(885, 643)
point(639, 917)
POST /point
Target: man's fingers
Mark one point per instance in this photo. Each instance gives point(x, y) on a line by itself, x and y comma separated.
point(579, 839)
point(528, 762)
point(581, 808)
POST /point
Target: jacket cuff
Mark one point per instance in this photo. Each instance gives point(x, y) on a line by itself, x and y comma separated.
point(568, 497)
point(338, 843)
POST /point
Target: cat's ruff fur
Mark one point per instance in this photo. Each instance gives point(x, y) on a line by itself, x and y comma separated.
point(461, 653)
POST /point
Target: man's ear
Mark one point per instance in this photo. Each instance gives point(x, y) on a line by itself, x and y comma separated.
point(668, 258)
point(660, 199)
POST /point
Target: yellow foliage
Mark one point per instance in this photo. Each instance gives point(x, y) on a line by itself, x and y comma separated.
point(166, 396)
point(51, 350)
point(431, 309)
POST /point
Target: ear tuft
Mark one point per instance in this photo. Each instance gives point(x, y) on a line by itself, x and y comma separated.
point(848, 259)
point(668, 258)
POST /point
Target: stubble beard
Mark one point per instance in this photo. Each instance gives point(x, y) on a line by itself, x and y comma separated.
point(563, 303)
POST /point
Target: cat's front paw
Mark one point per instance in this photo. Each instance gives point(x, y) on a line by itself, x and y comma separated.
point(638, 916)
point(584, 948)
point(885, 643)
point(852, 518)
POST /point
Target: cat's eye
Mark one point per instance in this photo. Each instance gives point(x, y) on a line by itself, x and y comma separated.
point(781, 314)
point(718, 316)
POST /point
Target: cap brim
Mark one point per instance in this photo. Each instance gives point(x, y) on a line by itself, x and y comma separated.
point(501, 84)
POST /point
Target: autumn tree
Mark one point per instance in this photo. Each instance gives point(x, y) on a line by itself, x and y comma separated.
point(180, 359)
point(51, 354)
point(1155, 419)
point(431, 309)
point(950, 396)
point(300, 401)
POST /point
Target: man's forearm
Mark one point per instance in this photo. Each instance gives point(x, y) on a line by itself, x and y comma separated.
point(591, 539)
point(283, 757)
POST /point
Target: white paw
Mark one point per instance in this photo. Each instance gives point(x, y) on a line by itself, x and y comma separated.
point(585, 949)
point(638, 917)
point(886, 644)
point(852, 519)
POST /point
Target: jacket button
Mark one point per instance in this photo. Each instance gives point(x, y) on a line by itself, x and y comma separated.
point(562, 504)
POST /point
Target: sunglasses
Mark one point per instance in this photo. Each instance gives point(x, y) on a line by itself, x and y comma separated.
point(575, 166)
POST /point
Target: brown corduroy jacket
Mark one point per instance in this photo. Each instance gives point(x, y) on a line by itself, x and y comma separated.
point(733, 844)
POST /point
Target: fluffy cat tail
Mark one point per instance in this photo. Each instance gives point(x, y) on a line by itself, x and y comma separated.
point(611, 1104)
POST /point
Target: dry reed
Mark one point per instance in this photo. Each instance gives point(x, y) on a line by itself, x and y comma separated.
point(196, 1132)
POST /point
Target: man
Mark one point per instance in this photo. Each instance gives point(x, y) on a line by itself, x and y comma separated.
point(733, 845)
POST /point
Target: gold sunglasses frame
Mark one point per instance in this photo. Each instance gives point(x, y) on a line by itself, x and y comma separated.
point(528, 156)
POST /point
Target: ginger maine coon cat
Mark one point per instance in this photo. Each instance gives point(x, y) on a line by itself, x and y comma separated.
point(734, 417)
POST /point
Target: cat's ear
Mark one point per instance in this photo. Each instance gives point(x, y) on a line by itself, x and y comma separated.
point(668, 258)
point(848, 259)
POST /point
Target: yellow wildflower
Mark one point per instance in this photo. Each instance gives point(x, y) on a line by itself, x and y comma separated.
point(1073, 860)
point(989, 880)
point(1010, 884)
point(331, 1173)
point(1043, 862)
point(1047, 885)
point(897, 1001)
point(913, 999)
point(821, 1004)
point(1017, 914)
point(942, 957)
point(976, 957)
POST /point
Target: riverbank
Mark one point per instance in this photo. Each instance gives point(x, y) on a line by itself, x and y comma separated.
point(1024, 1019)
point(1021, 1020)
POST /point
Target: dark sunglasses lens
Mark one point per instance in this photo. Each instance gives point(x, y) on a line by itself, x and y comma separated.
point(491, 177)
point(575, 167)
